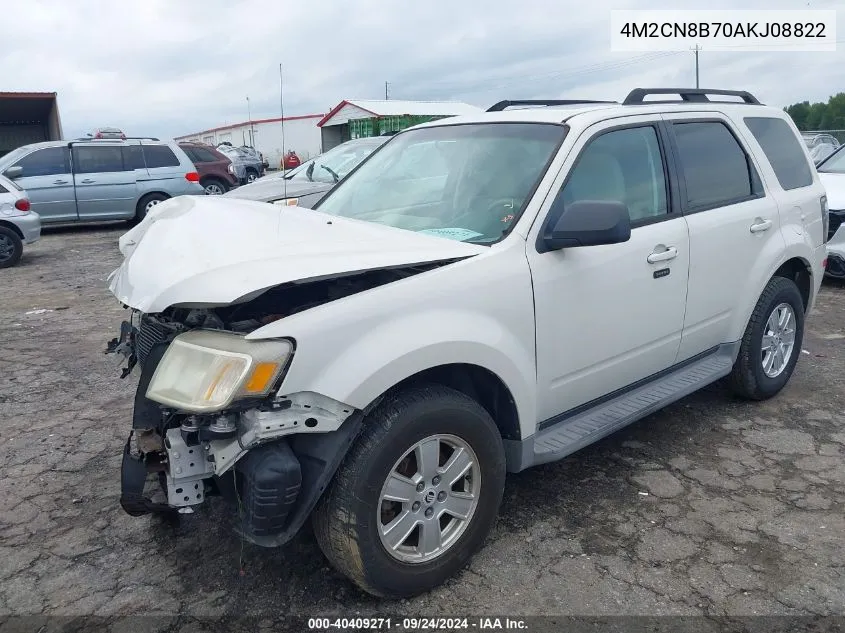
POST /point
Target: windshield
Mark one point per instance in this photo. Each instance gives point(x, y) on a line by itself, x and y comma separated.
point(835, 164)
point(463, 182)
point(333, 165)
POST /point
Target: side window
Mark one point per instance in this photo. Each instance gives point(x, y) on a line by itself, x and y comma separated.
point(133, 158)
point(716, 169)
point(204, 156)
point(159, 156)
point(45, 162)
point(92, 159)
point(3, 189)
point(783, 151)
point(621, 166)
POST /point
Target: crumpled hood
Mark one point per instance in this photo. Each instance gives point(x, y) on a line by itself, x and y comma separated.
point(213, 250)
point(274, 189)
point(834, 185)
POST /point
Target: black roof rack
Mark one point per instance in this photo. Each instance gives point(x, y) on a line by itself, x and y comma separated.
point(699, 95)
point(503, 105)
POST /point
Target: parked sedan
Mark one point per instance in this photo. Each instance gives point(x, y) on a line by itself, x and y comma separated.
point(308, 183)
point(19, 224)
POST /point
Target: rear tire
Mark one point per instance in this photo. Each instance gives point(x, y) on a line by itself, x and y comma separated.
point(251, 176)
point(352, 520)
point(148, 202)
point(11, 247)
point(759, 372)
point(214, 187)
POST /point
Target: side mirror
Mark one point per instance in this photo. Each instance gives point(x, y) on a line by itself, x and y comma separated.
point(13, 172)
point(588, 223)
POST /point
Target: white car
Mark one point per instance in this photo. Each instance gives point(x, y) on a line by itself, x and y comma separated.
point(483, 294)
point(19, 224)
point(832, 174)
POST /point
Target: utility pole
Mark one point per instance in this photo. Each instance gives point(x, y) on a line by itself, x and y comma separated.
point(695, 49)
point(251, 130)
point(386, 92)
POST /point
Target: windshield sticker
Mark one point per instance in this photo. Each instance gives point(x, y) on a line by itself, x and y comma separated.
point(455, 233)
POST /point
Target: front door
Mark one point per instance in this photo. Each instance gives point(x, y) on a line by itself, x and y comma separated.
point(609, 316)
point(105, 188)
point(48, 183)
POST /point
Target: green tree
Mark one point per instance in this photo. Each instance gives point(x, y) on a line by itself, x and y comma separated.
point(799, 113)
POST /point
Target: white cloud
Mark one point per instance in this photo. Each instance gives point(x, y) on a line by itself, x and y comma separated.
point(168, 68)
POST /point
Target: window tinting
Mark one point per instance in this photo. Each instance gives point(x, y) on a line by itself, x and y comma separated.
point(159, 156)
point(133, 158)
point(714, 165)
point(93, 159)
point(783, 151)
point(45, 162)
point(621, 166)
point(202, 155)
point(3, 189)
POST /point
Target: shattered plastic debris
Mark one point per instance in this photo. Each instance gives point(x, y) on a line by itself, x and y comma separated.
point(644, 494)
point(803, 351)
point(39, 311)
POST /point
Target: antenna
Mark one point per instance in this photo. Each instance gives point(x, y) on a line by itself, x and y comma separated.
point(282, 109)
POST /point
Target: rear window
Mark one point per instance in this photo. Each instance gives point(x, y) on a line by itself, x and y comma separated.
point(783, 151)
point(159, 156)
point(715, 167)
point(206, 156)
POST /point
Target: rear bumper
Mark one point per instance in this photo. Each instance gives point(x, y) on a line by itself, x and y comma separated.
point(29, 225)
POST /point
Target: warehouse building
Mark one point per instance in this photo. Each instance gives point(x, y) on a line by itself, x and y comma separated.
point(354, 118)
point(301, 135)
point(28, 117)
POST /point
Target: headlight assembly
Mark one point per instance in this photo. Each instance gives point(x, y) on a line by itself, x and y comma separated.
point(204, 370)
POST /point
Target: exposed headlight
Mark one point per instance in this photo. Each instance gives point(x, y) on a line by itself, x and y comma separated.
point(231, 168)
point(204, 370)
point(286, 202)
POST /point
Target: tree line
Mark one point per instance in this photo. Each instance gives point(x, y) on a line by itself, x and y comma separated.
point(819, 116)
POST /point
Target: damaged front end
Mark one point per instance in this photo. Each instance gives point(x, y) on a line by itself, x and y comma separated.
point(269, 455)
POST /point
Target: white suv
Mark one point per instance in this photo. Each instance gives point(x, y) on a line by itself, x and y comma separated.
point(483, 294)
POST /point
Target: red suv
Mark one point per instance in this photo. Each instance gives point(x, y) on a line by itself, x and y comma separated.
point(217, 174)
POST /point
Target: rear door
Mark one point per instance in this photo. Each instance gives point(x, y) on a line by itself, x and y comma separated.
point(48, 182)
point(734, 227)
point(105, 186)
point(163, 165)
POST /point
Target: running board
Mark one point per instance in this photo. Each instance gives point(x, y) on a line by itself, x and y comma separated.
point(581, 429)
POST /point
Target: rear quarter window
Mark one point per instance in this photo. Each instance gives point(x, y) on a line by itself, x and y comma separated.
point(159, 156)
point(783, 151)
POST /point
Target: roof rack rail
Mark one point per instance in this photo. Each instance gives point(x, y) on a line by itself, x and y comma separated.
point(91, 139)
point(699, 95)
point(503, 105)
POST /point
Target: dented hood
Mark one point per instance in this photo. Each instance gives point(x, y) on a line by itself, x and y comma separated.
point(212, 250)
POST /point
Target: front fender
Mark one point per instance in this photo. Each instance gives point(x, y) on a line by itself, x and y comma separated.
point(382, 358)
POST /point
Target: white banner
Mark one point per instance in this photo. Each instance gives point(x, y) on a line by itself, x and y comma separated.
point(723, 30)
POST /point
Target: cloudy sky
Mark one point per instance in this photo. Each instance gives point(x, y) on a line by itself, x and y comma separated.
point(165, 67)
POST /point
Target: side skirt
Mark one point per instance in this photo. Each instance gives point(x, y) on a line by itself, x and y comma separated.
point(569, 432)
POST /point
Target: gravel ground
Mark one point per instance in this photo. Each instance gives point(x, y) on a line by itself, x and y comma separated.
point(711, 507)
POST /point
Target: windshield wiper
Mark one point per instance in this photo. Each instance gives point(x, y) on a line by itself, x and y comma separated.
point(332, 172)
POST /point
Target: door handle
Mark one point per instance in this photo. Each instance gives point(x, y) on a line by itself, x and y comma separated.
point(670, 252)
point(87, 181)
point(761, 225)
point(60, 182)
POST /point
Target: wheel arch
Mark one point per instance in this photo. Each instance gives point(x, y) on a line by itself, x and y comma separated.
point(13, 227)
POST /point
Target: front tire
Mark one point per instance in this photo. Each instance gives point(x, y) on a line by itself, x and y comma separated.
point(772, 342)
point(417, 494)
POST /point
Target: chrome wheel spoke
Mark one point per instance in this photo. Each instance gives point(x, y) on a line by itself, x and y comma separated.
point(428, 457)
point(397, 531)
point(778, 341)
point(431, 538)
point(399, 488)
point(459, 505)
point(768, 361)
point(458, 465)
